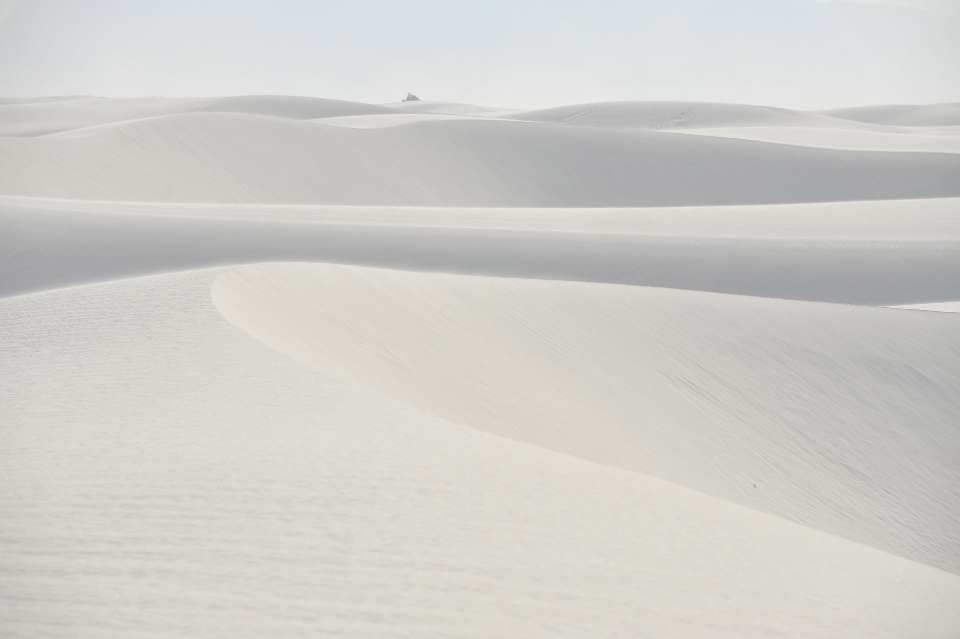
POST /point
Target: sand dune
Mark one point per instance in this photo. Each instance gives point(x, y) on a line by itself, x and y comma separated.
point(381, 120)
point(891, 128)
point(879, 253)
point(905, 115)
point(234, 157)
point(618, 369)
point(683, 115)
point(934, 142)
point(29, 119)
point(166, 474)
point(449, 108)
point(744, 399)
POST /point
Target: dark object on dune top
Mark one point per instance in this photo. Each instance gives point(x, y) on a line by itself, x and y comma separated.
point(411, 98)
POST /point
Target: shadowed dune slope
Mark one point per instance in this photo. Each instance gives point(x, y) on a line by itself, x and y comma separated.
point(881, 253)
point(682, 115)
point(838, 417)
point(230, 157)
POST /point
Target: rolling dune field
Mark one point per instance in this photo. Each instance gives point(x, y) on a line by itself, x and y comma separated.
point(282, 366)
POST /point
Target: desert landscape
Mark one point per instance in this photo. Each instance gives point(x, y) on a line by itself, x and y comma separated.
point(283, 366)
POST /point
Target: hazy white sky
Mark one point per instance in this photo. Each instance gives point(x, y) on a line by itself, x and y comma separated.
point(935, 7)
point(511, 53)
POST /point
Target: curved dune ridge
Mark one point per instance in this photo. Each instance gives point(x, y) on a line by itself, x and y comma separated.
point(790, 408)
point(283, 366)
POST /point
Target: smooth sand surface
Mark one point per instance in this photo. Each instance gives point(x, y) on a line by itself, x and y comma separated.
point(31, 119)
point(255, 158)
point(877, 253)
point(679, 115)
point(449, 108)
point(281, 366)
point(381, 120)
point(786, 407)
point(902, 115)
point(168, 475)
point(936, 141)
point(916, 129)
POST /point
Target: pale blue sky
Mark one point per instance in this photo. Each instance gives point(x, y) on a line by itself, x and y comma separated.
point(511, 53)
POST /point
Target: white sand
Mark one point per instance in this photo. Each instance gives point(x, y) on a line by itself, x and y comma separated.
point(879, 253)
point(903, 115)
point(786, 407)
point(165, 474)
point(935, 141)
point(706, 115)
point(263, 158)
point(30, 119)
point(919, 129)
point(941, 307)
point(381, 120)
point(449, 108)
point(601, 370)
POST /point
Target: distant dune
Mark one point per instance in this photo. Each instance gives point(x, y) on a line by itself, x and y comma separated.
point(238, 157)
point(874, 253)
point(925, 115)
point(678, 115)
point(51, 116)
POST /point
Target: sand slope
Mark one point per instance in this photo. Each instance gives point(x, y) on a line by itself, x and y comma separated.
point(820, 413)
point(680, 115)
point(165, 474)
point(282, 149)
point(917, 129)
point(449, 108)
point(658, 116)
point(880, 253)
point(936, 141)
point(30, 119)
point(902, 115)
point(232, 157)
